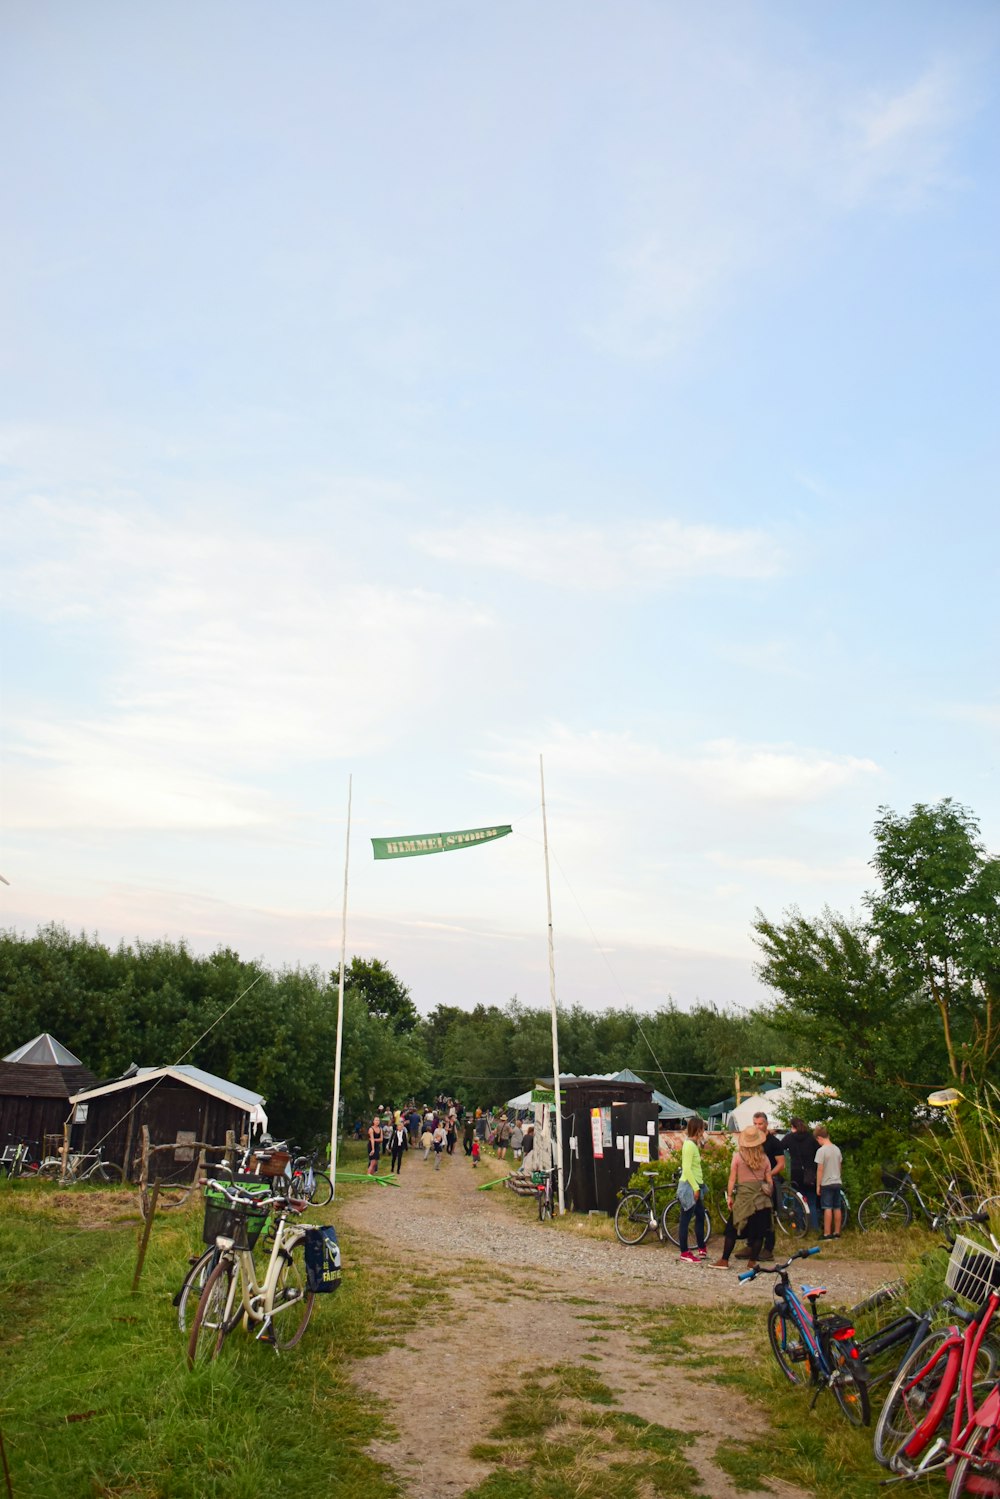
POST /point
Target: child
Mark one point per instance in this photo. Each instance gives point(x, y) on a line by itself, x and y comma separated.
point(426, 1140)
point(475, 1151)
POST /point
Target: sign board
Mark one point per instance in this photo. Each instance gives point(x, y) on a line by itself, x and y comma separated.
point(640, 1148)
point(597, 1132)
point(80, 1116)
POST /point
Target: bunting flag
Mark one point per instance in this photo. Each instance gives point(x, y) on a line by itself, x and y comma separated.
point(435, 843)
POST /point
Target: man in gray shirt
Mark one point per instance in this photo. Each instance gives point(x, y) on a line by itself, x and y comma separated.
point(828, 1182)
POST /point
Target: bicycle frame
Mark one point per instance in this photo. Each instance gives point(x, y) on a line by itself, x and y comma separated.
point(925, 1452)
point(257, 1297)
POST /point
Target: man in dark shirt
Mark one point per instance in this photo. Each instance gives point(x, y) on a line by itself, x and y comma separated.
point(799, 1146)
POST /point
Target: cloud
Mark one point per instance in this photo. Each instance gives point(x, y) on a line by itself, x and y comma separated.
point(793, 871)
point(895, 143)
point(721, 769)
point(651, 554)
point(217, 654)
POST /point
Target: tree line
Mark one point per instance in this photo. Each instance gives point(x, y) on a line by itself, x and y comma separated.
point(880, 1006)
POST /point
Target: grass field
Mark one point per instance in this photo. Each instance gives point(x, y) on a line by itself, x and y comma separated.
point(96, 1398)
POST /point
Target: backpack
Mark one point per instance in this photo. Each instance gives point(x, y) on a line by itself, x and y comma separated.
point(322, 1252)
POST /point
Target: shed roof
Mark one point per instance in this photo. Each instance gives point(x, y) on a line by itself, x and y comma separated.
point(21, 1080)
point(44, 1051)
point(206, 1082)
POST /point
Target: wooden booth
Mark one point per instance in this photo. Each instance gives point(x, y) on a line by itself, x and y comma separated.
point(37, 1082)
point(609, 1130)
point(182, 1107)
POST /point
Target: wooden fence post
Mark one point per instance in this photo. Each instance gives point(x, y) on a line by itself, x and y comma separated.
point(65, 1150)
point(6, 1469)
point(145, 1236)
point(230, 1149)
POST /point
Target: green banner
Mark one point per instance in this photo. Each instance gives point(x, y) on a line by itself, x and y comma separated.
point(435, 843)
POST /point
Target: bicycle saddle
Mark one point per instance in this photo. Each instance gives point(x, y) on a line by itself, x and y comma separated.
point(814, 1290)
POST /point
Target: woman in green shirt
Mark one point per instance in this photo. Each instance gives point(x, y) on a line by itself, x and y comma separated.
point(691, 1191)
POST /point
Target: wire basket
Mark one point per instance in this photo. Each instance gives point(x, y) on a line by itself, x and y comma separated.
point(973, 1272)
point(893, 1178)
point(243, 1222)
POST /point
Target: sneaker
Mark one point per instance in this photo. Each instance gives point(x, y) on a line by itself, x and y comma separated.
point(700, 1254)
point(688, 1257)
point(827, 1238)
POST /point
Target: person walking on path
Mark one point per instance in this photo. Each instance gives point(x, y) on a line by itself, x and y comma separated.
point(451, 1134)
point(691, 1192)
point(829, 1163)
point(516, 1140)
point(503, 1137)
point(440, 1139)
point(399, 1141)
point(475, 1152)
point(468, 1134)
point(374, 1145)
point(749, 1196)
point(427, 1140)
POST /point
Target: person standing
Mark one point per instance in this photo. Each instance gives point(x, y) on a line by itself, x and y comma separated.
point(374, 1145)
point(691, 1192)
point(468, 1134)
point(439, 1138)
point(427, 1140)
point(503, 1137)
point(799, 1146)
point(399, 1141)
point(749, 1196)
point(829, 1163)
point(776, 1161)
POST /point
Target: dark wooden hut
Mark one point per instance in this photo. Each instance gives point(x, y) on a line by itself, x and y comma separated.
point(37, 1082)
point(179, 1105)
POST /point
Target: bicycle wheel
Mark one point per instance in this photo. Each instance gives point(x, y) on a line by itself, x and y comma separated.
point(209, 1326)
point(631, 1218)
point(791, 1215)
point(194, 1284)
point(893, 1290)
point(50, 1171)
point(670, 1222)
point(292, 1302)
point(545, 1205)
point(911, 1395)
point(884, 1210)
point(849, 1383)
point(788, 1347)
point(975, 1475)
point(322, 1191)
point(107, 1171)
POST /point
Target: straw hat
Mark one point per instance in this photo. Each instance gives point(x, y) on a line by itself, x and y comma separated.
point(751, 1136)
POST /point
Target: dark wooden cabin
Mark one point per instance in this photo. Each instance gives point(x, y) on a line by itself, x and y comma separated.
point(179, 1105)
point(37, 1082)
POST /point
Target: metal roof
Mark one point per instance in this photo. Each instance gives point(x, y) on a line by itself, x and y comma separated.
point(44, 1051)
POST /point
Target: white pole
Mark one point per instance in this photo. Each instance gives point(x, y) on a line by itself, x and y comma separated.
point(340, 1003)
point(552, 995)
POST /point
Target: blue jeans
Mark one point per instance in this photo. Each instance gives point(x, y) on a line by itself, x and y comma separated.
point(697, 1212)
point(812, 1202)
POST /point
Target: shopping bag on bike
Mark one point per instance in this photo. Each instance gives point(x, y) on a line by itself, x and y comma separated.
point(322, 1253)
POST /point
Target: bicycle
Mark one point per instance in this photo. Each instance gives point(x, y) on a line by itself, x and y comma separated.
point(308, 1184)
point(81, 1166)
point(944, 1378)
point(891, 1207)
point(814, 1348)
point(281, 1302)
point(791, 1211)
point(670, 1219)
point(636, 1213)
point(18, 1160)
point(545, 1182)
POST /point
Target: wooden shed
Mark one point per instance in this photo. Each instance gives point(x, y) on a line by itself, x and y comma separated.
point(37, 1082)
point(179, 1105)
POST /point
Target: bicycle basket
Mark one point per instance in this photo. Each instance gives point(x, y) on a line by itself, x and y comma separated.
point(322, 1253)
point(893, 1178)
point(241, 1222)
point(973, 1272)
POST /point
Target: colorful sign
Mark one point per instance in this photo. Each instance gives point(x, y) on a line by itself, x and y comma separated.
point(597, 1132)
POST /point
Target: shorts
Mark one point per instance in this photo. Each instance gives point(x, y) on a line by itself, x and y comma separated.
point(829, 1197)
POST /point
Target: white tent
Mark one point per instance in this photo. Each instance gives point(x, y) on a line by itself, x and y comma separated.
point(778, 1104)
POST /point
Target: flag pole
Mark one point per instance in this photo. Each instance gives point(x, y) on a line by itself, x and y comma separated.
point(552, 995)
point(340, 1002)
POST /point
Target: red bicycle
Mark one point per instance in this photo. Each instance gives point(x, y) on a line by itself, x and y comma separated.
point(942, 1413)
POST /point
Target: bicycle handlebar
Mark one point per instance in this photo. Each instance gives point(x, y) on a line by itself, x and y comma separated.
point(800, 1254)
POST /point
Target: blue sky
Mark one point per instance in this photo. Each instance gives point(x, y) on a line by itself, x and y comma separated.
point(404, 391)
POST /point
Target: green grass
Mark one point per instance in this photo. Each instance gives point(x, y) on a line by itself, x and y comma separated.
point(561, 1438)
point(96, 1396)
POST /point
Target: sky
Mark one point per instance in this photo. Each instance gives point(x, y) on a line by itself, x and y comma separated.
point(391, 396)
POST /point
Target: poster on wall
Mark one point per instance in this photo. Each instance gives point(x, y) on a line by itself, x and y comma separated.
point(640, 1148)
point(597, 1134)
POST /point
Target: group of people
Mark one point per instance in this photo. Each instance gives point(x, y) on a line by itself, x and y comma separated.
point(756, 1177)
point(436, 1129)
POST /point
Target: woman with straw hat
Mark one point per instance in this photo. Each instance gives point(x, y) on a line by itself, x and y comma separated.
point(750, 1195)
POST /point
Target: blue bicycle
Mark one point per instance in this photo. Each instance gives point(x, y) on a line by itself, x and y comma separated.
point(814, 1349)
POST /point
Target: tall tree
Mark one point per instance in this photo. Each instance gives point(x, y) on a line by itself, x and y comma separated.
point(937, 917)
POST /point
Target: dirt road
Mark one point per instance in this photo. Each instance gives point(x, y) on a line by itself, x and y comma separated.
point(512, 1296)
